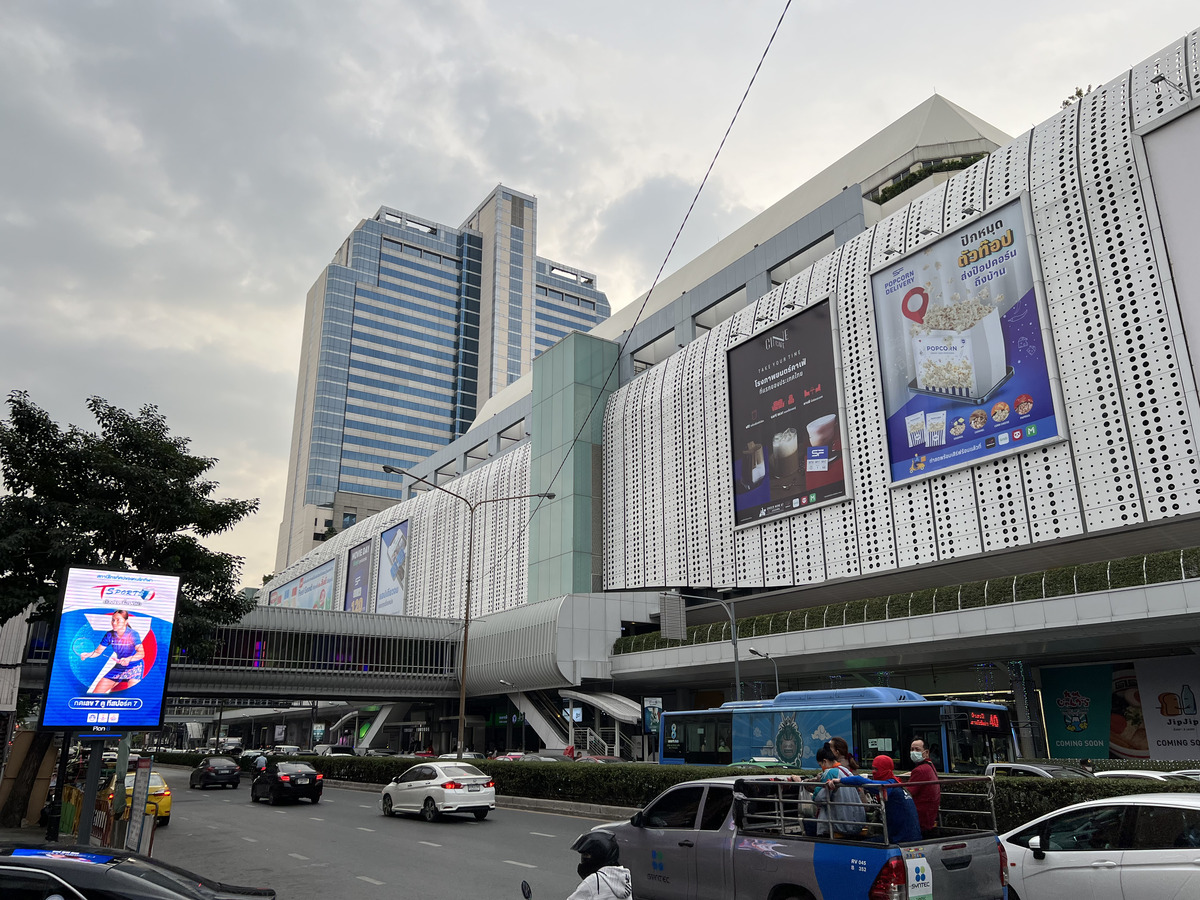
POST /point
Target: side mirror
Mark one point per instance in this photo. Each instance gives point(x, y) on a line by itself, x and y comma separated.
point(1035, 844)
point(636, 819)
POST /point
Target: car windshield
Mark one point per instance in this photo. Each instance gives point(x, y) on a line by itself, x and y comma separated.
point(459, 771)
point(296, 768)
point(1064, 772)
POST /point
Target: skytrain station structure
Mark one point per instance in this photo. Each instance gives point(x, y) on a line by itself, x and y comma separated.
point(938, 437)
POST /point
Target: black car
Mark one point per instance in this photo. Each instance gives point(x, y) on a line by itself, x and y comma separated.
point(31, 871)
point(287, 781)
point(215, 770)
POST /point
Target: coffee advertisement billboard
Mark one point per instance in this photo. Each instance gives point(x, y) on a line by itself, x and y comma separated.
point(785, 418)
point(967, 374)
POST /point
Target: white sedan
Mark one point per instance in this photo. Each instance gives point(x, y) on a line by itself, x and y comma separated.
point(434, 788)
point(1116, 848)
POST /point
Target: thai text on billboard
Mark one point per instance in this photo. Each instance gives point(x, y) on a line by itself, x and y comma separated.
point(963, 360)
point(312, 590)
point(783, 417)
point(393, 554)
point(358, 572)
point(108, 668)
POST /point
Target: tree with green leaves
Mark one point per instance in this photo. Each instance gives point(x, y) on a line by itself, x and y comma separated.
point(129, 496)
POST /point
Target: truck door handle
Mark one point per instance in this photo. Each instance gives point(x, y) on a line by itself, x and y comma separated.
point(686, 844)
point(1104, 864)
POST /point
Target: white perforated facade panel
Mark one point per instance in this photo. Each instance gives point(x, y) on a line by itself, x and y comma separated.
point(1119, 359)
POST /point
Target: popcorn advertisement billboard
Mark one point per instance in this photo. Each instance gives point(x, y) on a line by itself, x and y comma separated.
point(108, 670)
point(784, 418)
point(393, 556)
point(966, 370)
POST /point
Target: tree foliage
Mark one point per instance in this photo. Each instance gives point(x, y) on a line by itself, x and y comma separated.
point(129, 496)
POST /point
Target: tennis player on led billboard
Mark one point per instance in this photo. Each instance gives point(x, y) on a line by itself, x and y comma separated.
point(109, 665)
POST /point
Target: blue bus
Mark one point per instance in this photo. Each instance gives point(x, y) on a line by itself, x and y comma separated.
point(962, 736)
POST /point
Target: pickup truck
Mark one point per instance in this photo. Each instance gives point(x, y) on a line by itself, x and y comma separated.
point(754, 837)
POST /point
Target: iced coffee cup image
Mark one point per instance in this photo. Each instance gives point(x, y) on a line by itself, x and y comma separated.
point(785, 453)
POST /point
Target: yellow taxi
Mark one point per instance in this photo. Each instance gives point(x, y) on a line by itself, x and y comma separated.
point(158, 803)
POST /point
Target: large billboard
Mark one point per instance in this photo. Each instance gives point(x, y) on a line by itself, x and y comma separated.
point(108, 667)
point(312, 590)
point(785, 427)
point(966, 370)
point(393, 555)
point(358, 572)
point(1144, 709)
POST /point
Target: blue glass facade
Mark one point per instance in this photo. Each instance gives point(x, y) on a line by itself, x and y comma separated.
point(410, 328)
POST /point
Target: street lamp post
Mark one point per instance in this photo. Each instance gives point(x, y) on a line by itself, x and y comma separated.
point(767, 656)
point(471, 507)
point(728, 607)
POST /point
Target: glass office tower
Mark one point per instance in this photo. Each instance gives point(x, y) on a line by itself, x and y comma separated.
point(410, 328)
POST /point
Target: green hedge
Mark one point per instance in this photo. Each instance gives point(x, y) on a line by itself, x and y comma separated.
point(1131, 571)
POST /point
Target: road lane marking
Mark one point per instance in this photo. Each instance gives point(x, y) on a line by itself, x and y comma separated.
point(429, 843)
point(369, 880)
point(251, 840)
point(281, 812)
point(297, 856)
point(213, 827)
point(224, 799)
point(365, 806)
point(360, 828)
point(513, 862)
point(542, 834)
point(315, 819)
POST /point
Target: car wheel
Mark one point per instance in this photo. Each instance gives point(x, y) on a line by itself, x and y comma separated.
point(164, 821)
point(315, 798)
point(386, 805)
point(1013, 895)
point(191, 785)
point(481, 814)
point(254, 798)
point(429, 812)
point(272, 797)
point(236, 785)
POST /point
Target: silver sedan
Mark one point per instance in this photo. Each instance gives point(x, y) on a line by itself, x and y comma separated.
point(434, 788)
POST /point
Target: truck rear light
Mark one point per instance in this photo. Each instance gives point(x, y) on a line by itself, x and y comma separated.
point(1003, 863)
point(892, 881)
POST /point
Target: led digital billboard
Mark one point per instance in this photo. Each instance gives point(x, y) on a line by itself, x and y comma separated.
point(393, 556)
point(108, 666)
point(966, 370)
point(312, 590)
point(784, 418)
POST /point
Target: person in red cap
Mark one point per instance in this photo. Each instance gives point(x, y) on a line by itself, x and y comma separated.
point(899, 810)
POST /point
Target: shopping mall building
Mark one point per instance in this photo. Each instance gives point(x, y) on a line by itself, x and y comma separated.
point(933, 432)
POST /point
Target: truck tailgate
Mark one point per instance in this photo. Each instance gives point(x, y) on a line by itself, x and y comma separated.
point(961, 867)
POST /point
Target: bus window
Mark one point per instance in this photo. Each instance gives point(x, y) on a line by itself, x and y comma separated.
point(878, 734)
point(699, 738)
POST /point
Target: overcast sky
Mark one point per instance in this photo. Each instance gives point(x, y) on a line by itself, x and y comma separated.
point(176, 175)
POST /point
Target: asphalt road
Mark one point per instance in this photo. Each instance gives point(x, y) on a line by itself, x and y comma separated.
point(344, 847)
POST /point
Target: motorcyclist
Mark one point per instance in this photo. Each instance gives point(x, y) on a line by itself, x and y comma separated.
point(604, 878)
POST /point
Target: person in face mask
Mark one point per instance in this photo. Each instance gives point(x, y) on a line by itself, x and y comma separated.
point(604, 878)
point(924, 787)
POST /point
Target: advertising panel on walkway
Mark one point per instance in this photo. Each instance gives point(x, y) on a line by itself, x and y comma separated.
point(108, 667)
point(312, 590)
point(967, 372)
point(784, 418)
point(1144, 709)
point(358, 573)
point(393, 555)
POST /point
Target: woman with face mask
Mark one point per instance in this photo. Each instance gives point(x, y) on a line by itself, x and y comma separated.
point(599, 867)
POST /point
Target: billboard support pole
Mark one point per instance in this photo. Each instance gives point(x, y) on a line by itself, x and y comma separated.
point(54, 819)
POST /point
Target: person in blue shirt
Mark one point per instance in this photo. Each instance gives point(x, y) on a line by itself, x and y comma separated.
point(127, 654)
point(902, 822)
